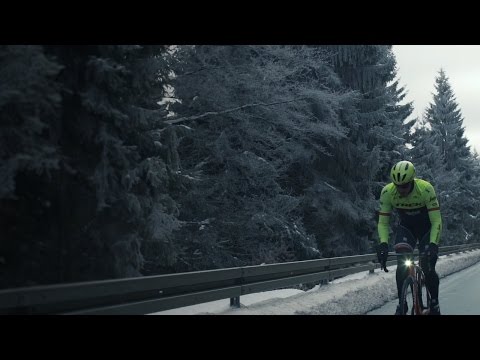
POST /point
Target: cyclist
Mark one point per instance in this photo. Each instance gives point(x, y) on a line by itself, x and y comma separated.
point(420, 220)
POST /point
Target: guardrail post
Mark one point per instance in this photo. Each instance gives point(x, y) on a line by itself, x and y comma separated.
point(325, 281)
point(235, 301)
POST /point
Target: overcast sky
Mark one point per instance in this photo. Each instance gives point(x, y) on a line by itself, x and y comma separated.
point(418, 66)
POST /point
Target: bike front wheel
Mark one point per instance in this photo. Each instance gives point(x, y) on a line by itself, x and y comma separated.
point(407, 303)
point(423, 293)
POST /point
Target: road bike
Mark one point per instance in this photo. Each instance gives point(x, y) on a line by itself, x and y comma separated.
point(415, 296)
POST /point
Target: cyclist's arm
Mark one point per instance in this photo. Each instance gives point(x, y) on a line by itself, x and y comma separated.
point(434, 214)
point(384, 215)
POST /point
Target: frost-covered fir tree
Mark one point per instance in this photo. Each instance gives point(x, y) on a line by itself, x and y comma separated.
point(29, 103)
point(457, 175)
point(376, 137)
point(446, 122)
point(93, 203)
point(260, 118)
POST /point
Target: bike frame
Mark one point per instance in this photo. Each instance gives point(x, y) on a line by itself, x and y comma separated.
point(415, 278)
point(415, 272)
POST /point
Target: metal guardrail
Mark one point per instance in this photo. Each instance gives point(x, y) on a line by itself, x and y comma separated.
point(149, 294)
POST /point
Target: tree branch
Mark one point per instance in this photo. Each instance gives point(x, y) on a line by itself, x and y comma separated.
point(213, 113)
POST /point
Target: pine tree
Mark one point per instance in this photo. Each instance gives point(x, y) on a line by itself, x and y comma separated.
point(376, 138)
point(446, 123)
point(269, 113)
point(29, 99)
point(101, 208)
point(29, 104)
point(456, 176)
point(425, 154)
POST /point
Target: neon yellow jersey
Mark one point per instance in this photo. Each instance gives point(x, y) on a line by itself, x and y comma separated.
point(420, 208)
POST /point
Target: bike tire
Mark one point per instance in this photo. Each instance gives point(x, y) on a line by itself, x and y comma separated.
point(407, 297)
point(424, 297)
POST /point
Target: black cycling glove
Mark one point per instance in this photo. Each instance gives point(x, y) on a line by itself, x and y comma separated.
point(382, 254)
point(431, 250)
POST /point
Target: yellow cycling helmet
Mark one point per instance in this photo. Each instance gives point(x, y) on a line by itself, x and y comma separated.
point(402, 172)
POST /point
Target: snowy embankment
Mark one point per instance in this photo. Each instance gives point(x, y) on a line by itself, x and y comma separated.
point(354, 294)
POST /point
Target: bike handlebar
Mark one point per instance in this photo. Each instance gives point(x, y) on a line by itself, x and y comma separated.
point(383, 266)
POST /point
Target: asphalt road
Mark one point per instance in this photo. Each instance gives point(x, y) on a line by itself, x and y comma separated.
point(459, 294)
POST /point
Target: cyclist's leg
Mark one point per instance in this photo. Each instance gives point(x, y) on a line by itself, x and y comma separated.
point(428, 265)
point(402, 235)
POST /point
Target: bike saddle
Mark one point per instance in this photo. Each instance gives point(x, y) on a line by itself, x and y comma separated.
point(403, 248)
